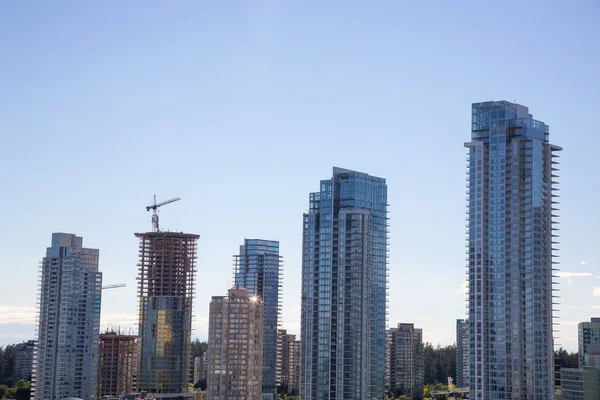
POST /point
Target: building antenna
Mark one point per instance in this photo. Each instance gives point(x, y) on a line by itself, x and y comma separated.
point(154, 208)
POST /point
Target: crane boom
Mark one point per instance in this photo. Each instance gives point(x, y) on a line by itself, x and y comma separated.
point(116, 285)
point(162, 203)
point(154, 208)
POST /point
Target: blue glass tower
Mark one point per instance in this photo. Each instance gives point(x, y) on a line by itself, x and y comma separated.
point(344, 289)
point(258, 269)
point(512, 171)
point(65, 361)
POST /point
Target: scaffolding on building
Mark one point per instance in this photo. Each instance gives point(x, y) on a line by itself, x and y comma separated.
point(166, 289)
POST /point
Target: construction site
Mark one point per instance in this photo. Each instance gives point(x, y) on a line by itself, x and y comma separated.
point(117, 364)
point(166, 278)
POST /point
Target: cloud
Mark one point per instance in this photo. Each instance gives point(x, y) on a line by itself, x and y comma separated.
point(583, 262)
point(597, 291)
point(595, 306)
point(17, 314)
point(573, 274)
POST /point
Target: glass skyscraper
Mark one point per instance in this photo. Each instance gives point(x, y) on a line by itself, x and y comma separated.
point(344, 289)
point(65, 361)
point(512, 173)
point(258, 269)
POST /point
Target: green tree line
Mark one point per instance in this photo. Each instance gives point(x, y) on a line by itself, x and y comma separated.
point(8, 355)
point(440, 362)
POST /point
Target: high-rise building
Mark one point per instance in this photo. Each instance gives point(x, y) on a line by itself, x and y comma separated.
point(462, 352)
point(117, 364)
point(166, 274)
point(511, 180)
point(292, 366)
point(288, 362)
point(588, 333)
point(66, 357)
point(258, 268)
point(24, 360)
point(406, 361)
point(344, 289)
point(235, 346)
point(282, 348)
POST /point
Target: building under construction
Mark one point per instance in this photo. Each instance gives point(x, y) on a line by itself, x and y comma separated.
point(166, 274)
point(117, 364)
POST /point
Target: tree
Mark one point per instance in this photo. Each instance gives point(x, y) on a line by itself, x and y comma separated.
point(198, 348)
point(3, 389)
point(440, 363)
point(8, 355)
point(22, 390)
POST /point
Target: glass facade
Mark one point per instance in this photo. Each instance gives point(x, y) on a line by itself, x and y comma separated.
point(511, 182)
point(66, 356)
point(344, 289)
point(258, 269)
point(588, 333)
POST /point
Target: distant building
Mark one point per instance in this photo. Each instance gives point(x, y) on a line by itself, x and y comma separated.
point(197, 369)
point(592, 357)
point(406, 361)
point(288, 362)
point(511, 242)
point(583, 383)
point(580, 384)
point(258, 268)
point(200, 367)
point(462, 352)
point(281, 354)
point(117, 370)
point(588, 333)
point(24, 360)
point(344, 288)
point(235, 347)
point(292, 366)
point(204, 370)
point(166, 275)
point(65, 361)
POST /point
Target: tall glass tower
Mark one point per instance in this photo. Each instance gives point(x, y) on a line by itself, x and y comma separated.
point(344, 289)
point(65, 362)
point(258, 269)
point(512, 171)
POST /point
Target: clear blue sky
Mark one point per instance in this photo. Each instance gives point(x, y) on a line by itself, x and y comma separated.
point(240, 108)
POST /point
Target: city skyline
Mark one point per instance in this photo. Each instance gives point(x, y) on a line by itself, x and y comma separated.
point(111, 107)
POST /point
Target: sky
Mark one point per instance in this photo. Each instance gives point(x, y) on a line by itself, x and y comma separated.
point(241, 108)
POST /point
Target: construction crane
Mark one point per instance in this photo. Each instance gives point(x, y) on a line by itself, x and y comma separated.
point(154, 208)
point(116, 285)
